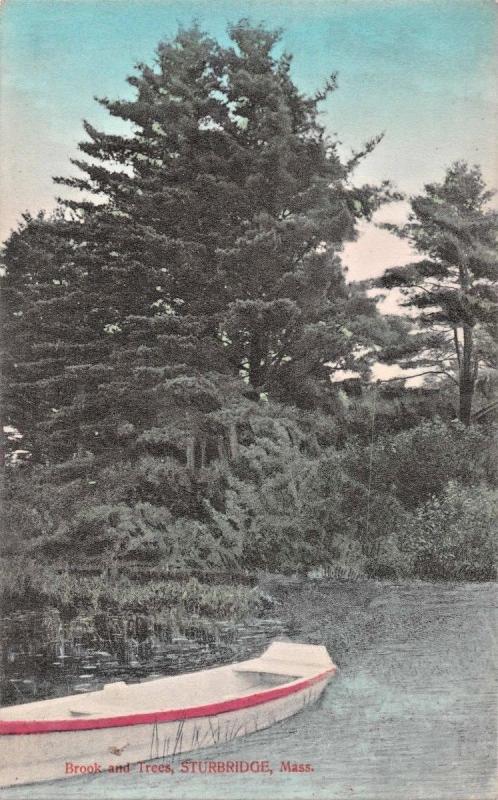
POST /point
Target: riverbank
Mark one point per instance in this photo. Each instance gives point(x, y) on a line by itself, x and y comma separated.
point(62, 632)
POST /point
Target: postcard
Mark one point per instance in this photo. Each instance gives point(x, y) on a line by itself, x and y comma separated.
point(249, 310)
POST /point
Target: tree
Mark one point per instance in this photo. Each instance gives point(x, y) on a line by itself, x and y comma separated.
point(454, 286)
point(49, 326)
point(229, 201)
point(198, 270)
point(60, 311)
point(211, 247)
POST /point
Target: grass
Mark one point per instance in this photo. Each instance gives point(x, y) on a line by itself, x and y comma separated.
point(27, 584)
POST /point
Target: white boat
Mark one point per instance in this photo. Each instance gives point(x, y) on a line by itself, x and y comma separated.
point(122, 725)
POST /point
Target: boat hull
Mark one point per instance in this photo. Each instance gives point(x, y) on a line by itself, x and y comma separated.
point(51, 755)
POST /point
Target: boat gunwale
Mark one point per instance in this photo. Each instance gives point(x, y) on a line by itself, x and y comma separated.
point(28, 727)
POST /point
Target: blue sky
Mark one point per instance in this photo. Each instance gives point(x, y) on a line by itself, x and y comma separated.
point(420, 70)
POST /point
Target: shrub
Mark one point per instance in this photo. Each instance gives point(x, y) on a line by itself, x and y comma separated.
point(418, 463)
point(454, 535)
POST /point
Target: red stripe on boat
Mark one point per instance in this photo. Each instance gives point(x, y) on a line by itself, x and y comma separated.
point(9, 727)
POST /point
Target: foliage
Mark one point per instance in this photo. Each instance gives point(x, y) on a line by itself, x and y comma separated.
point(454, 535)
point(27, 582)
point(51, 336)
point(120, 308)
point(172, 336)
point(417, 463)
point(453, 286)
point(289, 500)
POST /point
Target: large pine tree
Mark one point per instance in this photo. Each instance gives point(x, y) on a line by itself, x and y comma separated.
point(198, 271)
point(229, 201)
point(219, 216)
point(453, 287)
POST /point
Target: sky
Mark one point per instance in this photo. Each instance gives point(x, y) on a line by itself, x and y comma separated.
point(421, 71)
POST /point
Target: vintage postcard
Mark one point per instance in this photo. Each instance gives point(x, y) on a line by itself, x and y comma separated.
point(249, 310)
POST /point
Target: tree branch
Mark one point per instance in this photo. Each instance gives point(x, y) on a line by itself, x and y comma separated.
point(419, 375)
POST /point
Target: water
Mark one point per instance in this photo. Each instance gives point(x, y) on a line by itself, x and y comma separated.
point(44, 656)
point(412, 713)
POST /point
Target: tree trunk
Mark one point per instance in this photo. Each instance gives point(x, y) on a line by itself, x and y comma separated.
point(257, 356)
point(467, 376)
point(222, 453)
point(203, 453)
point(234, 444)
point(190, 453)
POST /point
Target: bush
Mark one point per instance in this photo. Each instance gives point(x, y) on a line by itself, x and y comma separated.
point(418, 463)
point(453, 536)
point(387, 560)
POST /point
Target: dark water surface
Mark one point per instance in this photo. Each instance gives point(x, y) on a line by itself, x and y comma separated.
point(411, 715)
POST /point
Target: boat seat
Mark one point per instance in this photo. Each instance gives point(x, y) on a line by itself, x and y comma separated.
point(265, 665)
point(112, 695)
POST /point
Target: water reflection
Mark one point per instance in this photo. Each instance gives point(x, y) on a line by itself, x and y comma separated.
point(46, 656)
